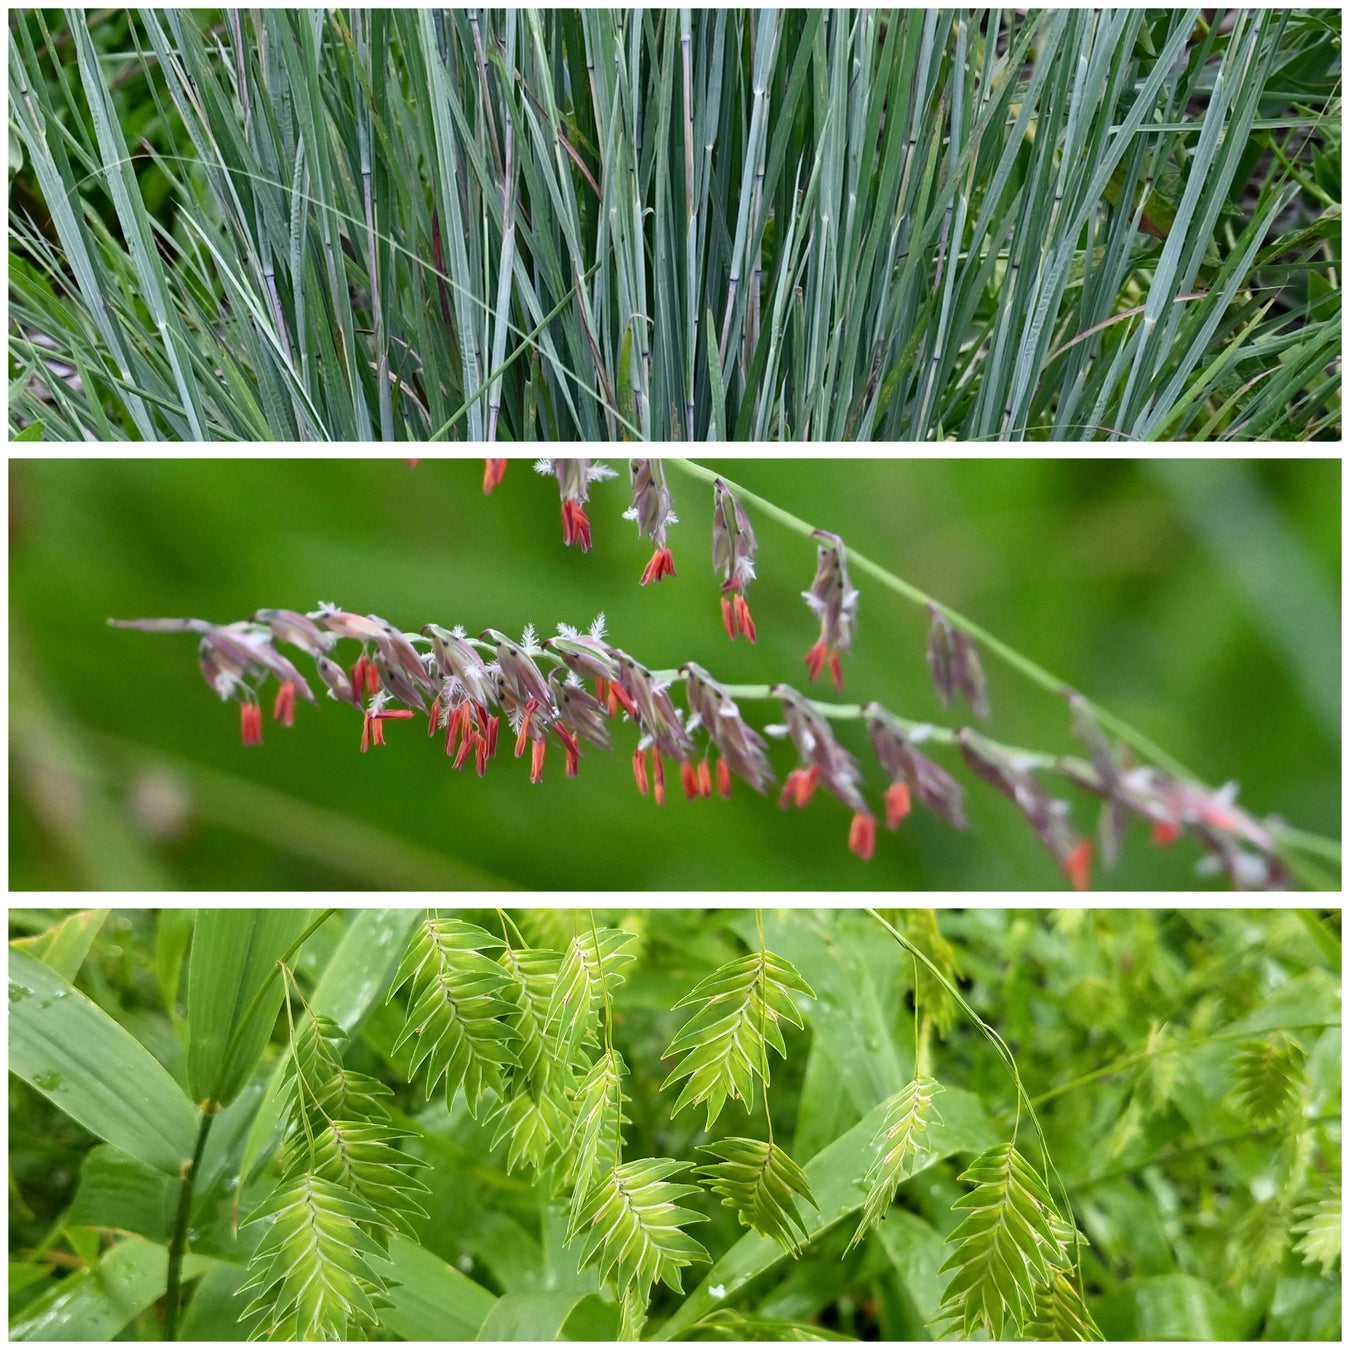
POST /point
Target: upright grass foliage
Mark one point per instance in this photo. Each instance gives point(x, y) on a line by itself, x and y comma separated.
point(684, 224)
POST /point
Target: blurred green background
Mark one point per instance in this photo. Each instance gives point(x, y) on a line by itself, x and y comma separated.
point(1198, 599)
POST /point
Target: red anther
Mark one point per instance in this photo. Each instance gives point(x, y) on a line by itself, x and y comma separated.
point(640, 770)
point(862, 835)
point(800, 785)
point(743, 619)
point(619, 695)
point(661, 565)
point(688, 780)
point(1078, 862)
point(283, 710)
point(728, 618)
point(897, 804)
point(523, 734)
point(723, 779)
point(494, 470)
point(576, 528)
point(1165, 833)
point(537, 761)
point(434, 717)
point(573, 757)
point(365, 733)
point(492, 724)
point(659, 775)
point(250, 723)
point(836, 672)
point(482, 751)
point(815, 658)
point(469, 742)
point(602, 691)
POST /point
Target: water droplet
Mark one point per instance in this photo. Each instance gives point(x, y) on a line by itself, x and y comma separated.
point(47, 1082)
point(17, 993)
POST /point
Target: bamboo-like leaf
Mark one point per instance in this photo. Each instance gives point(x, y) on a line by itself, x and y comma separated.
point(760, 1182)
point(1269, 1078)
point(454, 1009)
point(234, 955)
point(1009, 1244)
point(312, 1269)
point(725, 1042)
point(897, 1146)
point(632, 1226)
point(96, 1304)
point(95, 1070)
point(64, 945)
point(429, 1299)
point(1060, 1314)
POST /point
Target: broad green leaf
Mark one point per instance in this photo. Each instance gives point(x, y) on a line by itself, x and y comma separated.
point(94, 1070)
point(542, 1317)
point(173, 932)
point(916, 1250)
point(849, 1014)
point(363, 964)
point(234, 953)
point(94, 1305)
point(1168, 1308)
point(64, 946)
point(118, 1191)
point(215, 1312)
point(1305, 1308)
point(837, 1178)
point(593, 1319)
point(432, 1301)
point(25, 1273)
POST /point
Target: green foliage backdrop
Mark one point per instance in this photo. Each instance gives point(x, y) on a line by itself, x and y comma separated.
point(1197, 599)
point(1065, 1124)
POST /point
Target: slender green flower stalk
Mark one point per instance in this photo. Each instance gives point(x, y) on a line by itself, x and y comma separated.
point(577, 689)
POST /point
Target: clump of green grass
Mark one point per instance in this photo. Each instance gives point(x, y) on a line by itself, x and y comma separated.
point(679, 224)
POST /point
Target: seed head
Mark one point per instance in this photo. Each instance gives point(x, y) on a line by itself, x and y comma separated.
point(835, 603)
point(913, 771)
